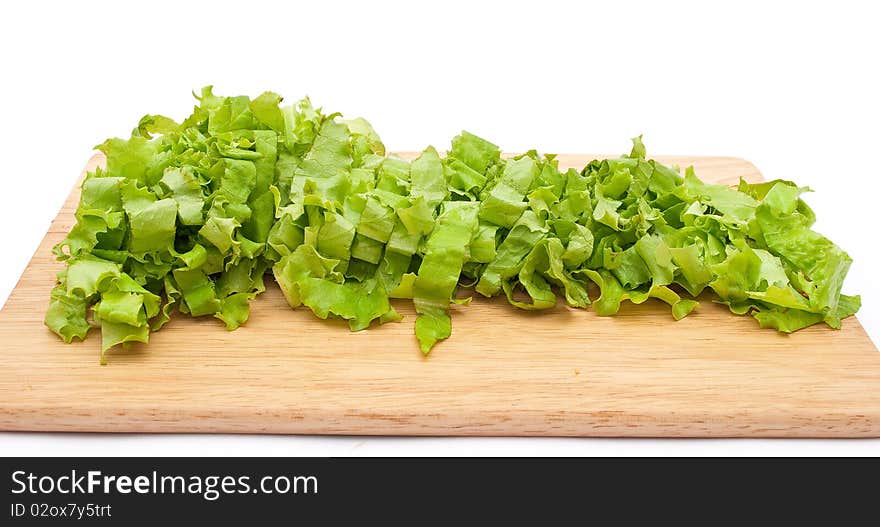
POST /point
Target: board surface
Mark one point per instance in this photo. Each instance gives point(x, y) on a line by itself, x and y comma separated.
point(504, 371)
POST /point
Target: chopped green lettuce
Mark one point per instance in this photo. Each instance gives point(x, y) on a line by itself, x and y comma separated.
point(190, 216)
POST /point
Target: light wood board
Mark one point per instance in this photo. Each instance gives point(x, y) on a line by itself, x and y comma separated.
point(565, 372)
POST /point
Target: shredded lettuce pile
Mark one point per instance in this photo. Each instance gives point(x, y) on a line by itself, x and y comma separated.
point(192, 215)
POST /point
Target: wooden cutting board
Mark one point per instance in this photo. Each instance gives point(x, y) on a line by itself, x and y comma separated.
point(504, 371)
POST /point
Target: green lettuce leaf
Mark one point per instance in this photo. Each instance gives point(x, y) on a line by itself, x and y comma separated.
point(435, 283)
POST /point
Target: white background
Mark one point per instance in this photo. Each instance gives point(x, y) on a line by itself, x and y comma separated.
point(791, 87)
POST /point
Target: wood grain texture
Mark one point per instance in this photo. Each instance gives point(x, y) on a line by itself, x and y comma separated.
point(565, 372)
